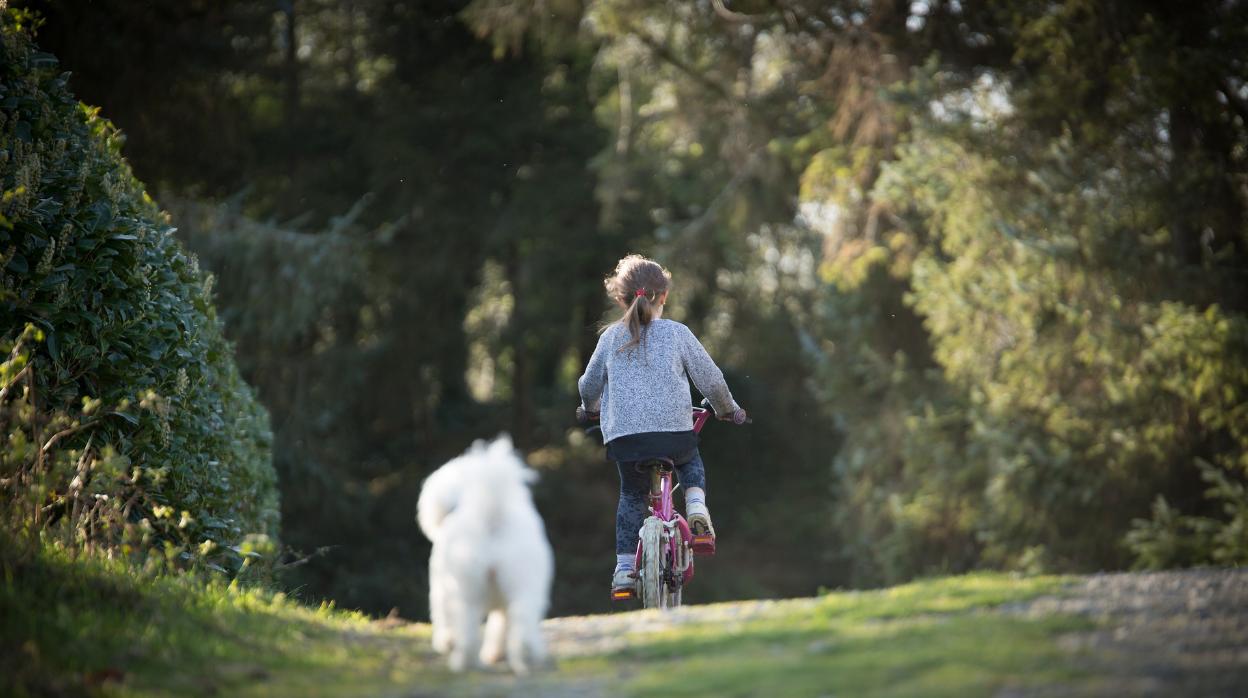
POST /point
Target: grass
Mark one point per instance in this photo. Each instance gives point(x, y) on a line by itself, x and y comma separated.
point(98, 627)
point(931, 638)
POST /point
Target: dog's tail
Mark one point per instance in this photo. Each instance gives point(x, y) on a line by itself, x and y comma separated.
point(437, 499)
point(483, 481)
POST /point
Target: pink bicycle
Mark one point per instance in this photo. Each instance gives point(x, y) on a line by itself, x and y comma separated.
point(667, 544)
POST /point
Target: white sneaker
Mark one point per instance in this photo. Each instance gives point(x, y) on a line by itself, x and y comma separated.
point(699, 518)
point(623, 584)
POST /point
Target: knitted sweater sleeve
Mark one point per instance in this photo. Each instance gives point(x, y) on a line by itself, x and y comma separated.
point(706, 376)
point(594, 380)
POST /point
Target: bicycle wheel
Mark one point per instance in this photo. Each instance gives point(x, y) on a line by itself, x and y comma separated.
point(671, 596)
point(652, 554)
point(677, 556)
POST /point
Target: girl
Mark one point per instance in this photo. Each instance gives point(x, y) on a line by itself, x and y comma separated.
point(638, 379)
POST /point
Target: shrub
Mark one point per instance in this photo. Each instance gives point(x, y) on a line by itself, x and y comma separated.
point(111, 340)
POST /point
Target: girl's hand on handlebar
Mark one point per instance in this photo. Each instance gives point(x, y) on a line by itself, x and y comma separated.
point(737, 417)
point(584, 416)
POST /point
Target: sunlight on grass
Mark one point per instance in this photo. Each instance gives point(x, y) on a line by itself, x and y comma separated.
point(98, 626)
point(929, 638)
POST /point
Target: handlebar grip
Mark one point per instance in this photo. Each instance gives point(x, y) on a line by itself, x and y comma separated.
point(584, 416)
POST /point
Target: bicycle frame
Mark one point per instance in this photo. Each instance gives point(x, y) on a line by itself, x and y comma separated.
point(680, 537)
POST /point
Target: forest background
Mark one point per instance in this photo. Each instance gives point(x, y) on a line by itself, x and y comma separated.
point(978, 270)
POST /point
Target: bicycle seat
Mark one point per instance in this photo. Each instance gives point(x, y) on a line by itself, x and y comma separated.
point(648, 463)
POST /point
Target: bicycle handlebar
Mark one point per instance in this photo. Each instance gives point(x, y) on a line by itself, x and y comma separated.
point(584, 416)
point(705, 406)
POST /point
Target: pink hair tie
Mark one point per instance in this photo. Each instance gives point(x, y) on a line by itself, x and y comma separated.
point(641, 292)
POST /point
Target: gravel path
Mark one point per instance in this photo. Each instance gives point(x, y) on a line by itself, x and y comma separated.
point(578, 636)
point(1182, 633)
point(1179, 633)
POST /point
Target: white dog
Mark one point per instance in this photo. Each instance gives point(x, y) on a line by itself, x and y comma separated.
point(490, 556)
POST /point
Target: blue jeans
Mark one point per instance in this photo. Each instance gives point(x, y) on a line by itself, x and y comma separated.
point(635, 494)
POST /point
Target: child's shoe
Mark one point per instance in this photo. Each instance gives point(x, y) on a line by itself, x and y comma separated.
point(623, 584)
point(703, 531)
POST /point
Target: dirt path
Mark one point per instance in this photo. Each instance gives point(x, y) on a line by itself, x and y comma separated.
point(579, 636)
point(1156, 634)
point(1179, 633)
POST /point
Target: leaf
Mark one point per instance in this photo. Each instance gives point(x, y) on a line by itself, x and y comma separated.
point(54, 346)
point(40, 59)
point(212, 522)
point(48, 207)
point(18, 264)
point(133, 420)
point(102, 215)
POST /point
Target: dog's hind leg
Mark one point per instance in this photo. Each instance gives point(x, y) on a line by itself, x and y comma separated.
point(525, 646)
point(438, 612)
point(495, 636)
point(465, 620)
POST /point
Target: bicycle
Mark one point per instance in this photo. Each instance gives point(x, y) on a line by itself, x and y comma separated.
point(667, 545)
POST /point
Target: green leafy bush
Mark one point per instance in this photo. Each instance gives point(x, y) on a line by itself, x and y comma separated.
point(125, 358)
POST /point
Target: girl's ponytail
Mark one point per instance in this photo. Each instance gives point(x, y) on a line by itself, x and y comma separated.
point(639, 314)
point(637, 285)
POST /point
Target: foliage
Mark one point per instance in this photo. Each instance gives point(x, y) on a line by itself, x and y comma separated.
point(124, 412)
point(207, 125)
point(297, 305)
point(1084, 389)
point(1089, 352)
point(354, 329)
point(1171, 539)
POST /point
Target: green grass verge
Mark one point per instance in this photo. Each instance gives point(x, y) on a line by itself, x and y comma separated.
point(92, 626)
point(936, 637)
point(99, 627)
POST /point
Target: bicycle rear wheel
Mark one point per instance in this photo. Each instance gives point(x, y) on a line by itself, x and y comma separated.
point(671, 596)
point(676, 561)
point(651, 572)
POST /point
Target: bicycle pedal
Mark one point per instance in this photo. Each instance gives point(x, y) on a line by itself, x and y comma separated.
point(623, 594)
point(703, 545)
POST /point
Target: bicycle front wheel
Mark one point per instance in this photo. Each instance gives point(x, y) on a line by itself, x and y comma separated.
point(651, 572)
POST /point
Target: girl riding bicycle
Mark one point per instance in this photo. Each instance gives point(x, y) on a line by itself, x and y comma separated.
point(638, 380)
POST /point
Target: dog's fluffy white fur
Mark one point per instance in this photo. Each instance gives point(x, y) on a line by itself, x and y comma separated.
point(490, 558)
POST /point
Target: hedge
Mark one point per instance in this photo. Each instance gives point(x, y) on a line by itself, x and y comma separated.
point(133, 363)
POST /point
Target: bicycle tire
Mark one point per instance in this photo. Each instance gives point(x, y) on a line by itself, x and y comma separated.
point(651, 572)
point(671, 597)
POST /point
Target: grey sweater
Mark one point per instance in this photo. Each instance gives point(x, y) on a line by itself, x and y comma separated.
point(646, 388)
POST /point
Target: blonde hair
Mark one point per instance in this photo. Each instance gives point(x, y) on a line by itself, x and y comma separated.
point(637, 284)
